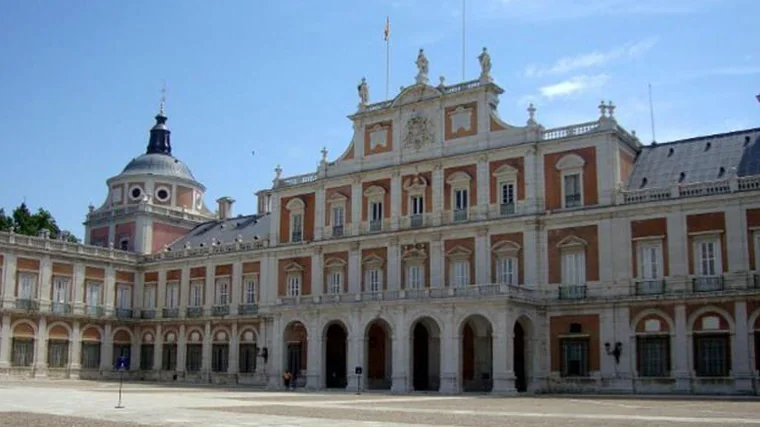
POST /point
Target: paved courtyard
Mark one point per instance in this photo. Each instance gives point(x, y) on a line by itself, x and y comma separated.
point(91, 404)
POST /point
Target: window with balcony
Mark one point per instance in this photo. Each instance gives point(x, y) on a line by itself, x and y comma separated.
point(172, 295)
point(93, 298)
point(415, 187)
point(249, 289)
point(415, 277)
point(123, 297)
point(573, 268)
point(507, 198)
point(506, 270)
point(338, 220)
point(149, 297)
point(460, 271)
point(374, 279)
point(708, 266)
point(294, 284)
point(335, 282)
point(571, 170)
point(417, 210)
point(575, 357)
point(297, 209)
point(61, 287)
point(651, 270)
point(461, 203)
point(196, 294)
point(27, 286)
point(375, 195)
point(222, 291)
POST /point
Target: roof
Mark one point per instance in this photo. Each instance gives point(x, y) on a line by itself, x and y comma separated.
point(245, 228)
point(693, 160)
point(158, 164)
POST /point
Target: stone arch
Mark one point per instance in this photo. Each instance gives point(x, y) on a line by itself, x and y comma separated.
point(476, 352)
point(711, 342)
point(221, 334)
point(300, 321)
point(570, 161)
point(339, 321)
point(425, 352)
point(295, 204)
point(651, 313)
point(697, 314)
point(122, 335)
point(24, 328)
point(378, 353)
point(464, 318)
point(92, 333)
point(59, 330)
point(194, 335)
point(244, 337)
point(753, 322)
point(148, 336)
point(522, 345)
point(295, 338)
point(427, 317)
point(171, 336)
point(335, 335)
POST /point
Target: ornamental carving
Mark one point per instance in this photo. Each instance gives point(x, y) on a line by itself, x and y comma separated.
point(419, 132)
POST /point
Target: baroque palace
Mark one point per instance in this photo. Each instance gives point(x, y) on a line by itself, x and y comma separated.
point(444, 249)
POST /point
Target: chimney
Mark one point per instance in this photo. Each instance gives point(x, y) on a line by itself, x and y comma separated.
point(264, 202)
point(225, 207)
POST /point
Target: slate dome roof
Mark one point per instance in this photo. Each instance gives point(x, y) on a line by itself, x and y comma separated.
point(158, 164)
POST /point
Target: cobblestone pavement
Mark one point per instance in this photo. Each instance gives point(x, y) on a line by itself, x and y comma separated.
point(91, 404)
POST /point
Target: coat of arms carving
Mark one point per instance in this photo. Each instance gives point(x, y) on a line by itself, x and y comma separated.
point(419, 132)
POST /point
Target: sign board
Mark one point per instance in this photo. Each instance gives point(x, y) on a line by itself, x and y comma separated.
point(122, 363)
point(358, 370)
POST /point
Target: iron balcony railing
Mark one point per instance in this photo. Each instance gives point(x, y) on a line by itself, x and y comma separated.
point(337, 230)
point(148, 313)
point(507, 209)
point(650, 287)
point(170, 313)
point(94, 310)
point(376, 225)
point(708, 283)
point(296, 236)
point(572, 200)
point(27, 304)
point(572, 292)
point(124, 313)
point(460, 215)
point(193, 312)
point(417, 220)
point(60, 308)
point(220, 310)
point(247, 309)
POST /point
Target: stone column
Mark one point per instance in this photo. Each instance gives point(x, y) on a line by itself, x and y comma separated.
point(317, 270)
point(503, 354)
point(78, 284)
point(356, 205)
point(46, 278)
point(680, 351)
point(40, 347)
point(134, 351)
point(319, 213)
point(741, 367)
point(161, 293)
point(209, 289)
point(233, 365)
point(206, 349)
point(110, 290)
point(736, 240)
point(158, 349)
point(276, 360)
point(5, 343)
point(450, 349)
point(482, 257)
point(106, 350)
point(181, 351)
point(483, 188)
point(184, 295)
point(533, 182)
point(75, 350)
point(393, 281)
point(395, 199)
point(354, 269)
point(401, 354)
point(236, 287)
point(314, 362)
point(678, 252)
point(9, 280)
point(437, 263)
point(437, 184)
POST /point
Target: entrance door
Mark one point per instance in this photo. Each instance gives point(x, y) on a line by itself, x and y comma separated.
point(521, 383)
point(294, 360)
point(335, 357)
point(421, 357)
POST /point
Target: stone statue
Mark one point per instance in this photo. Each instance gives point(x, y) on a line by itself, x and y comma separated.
point(363, 89)
point(485, 64)
point(422, 67)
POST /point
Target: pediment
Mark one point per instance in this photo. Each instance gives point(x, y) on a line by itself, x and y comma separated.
point(570, 161)
point(459, 252)
point(572, 242)
point(337, 197)
point(373, 260)
point(505, 170)
point(374, 190)
point(293, 267)
point(506, 248)
point(416, 182)
point(414, 253)
point(458, 176)
point(335, 262)
point(416, 93)
point(295, 204)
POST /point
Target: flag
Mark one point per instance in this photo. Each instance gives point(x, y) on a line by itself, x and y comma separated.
point(387, 27)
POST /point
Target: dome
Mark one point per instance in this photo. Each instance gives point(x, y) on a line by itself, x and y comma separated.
point(158, 164)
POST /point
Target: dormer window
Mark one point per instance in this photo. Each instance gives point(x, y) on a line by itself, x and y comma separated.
point(571, 172)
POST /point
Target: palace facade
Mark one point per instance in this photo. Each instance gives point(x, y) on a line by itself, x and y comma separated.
point(444, 249)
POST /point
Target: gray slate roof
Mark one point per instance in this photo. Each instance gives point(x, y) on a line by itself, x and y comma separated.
point(225, 231)
point(158, 164)
point(699, 159)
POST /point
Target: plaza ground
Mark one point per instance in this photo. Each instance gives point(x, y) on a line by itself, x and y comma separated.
point(91, 404)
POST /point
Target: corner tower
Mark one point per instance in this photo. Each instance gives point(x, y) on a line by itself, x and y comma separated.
point(152, 202)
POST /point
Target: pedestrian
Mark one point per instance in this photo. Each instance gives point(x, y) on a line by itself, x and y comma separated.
point(286, 377)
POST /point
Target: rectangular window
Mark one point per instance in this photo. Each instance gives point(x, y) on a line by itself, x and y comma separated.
point(61, 289)
point(194, 356)
point(461, 199)
point(294, 285)
point(653, 356)
point(146, 357)
point(247, 360)
point(220, 356)
point(374, 280)
point(222, 291)
point(707, 258)
point(414, 277)
point(573, 268)
point(650, 261)
point(572, 187)
point(335, 283)
point(339, 216)
point(296, 228)
point(575, 361)
point(149, 297)
point(249, 289)
point(90, 355)
point(461, 273)
point(93, 294)
point(124, 297)
point(172, 295)
point(169, 357)
point(27, 285)
point(58, 354)
point(376, 211)
point(196, 294)
point(507, 194)
point(418, 205)
point(712, 355)
point(506, 271)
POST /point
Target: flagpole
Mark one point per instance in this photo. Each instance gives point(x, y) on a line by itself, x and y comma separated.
point(387, 57)
point(464, 6)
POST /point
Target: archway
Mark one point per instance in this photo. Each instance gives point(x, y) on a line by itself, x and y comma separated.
point(426, 354)
point(379, 355)
point(521, 353)
point(335, 356)
point(477, 354)
point(296, 349)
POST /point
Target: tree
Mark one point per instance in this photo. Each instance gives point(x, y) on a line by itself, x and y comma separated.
point(22, 221)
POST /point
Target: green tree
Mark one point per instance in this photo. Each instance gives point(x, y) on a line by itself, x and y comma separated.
point(23, 221)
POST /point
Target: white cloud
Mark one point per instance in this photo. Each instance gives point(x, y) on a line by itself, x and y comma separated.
point(574, 85)
point(594, 59)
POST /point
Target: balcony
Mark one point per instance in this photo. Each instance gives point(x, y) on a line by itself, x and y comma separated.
point(572, 201)
point(247, 309)
point(417, 221)
point(460, 215)
point(650, 287)
point(60, 308)
point(506, 209)
point(94, 310)
point(124, 313)
point(170, 313)
point(572, 292)
point(27, 304)
point(296, 237)
point(708, 283)
point(220, 310)
point(194, 312)
point(148, 314)
point(375, 225)
point(337, 231)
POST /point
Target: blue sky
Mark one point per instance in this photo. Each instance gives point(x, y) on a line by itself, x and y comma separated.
point(80, 80)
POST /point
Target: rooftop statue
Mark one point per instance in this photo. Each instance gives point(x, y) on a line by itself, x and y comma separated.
point(422, 67)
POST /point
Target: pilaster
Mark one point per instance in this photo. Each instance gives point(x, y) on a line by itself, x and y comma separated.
point(393, 281)
point(161, 293)
point(356, 358)
point(319, 213)
point(274, 225)
point(209, 289)
point(158, 348)
point(110, 289)
point(532, 255)
point(482, 257)
point(5, 343)
point(232, 365)
point(78, 284)
point(483, 188)
point(9, 279)
point(437, 263)
point(184, 297)
point(46, 278)
point(503, 354)
point(437, 184)
point(401, 355)
point(181, 351)
point(75, 352)
point(740, 363)
point(354, 269)
point(106, 349)
point(677, 251)
point(314, 361)
point(736, 236)
point(206, 349)
point(395, 199)
point(450, 354)
point(276, 360)
point(134, 351)
point(356, 205)
point(317, 272)
point(681, 353)
point(236, 287)
point(139, 292)
point(533, 182)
